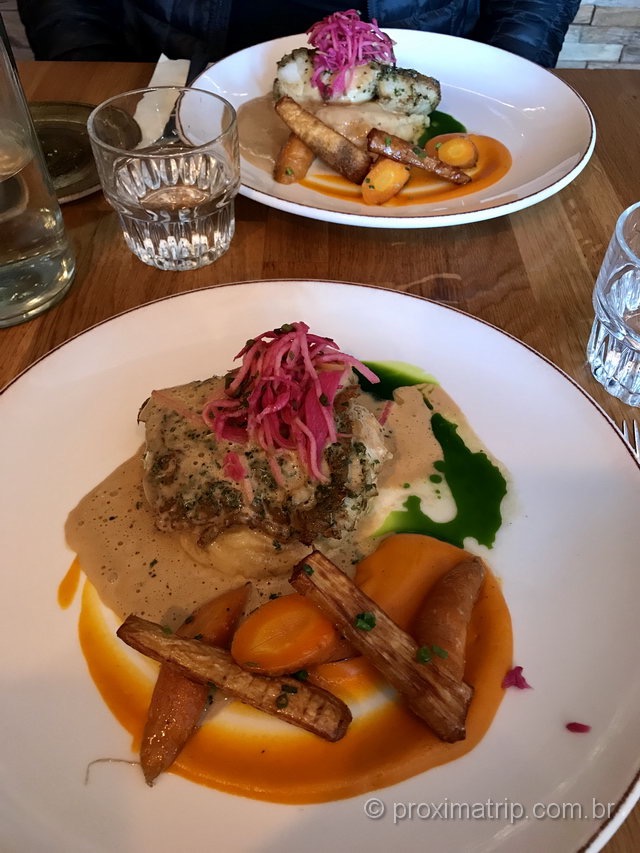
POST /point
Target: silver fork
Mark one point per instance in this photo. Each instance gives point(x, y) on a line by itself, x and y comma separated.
point(631, 434)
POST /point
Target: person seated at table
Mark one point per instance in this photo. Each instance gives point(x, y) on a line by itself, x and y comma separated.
point(139, 30)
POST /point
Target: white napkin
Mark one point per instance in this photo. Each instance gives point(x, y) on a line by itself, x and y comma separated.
point(152, 120)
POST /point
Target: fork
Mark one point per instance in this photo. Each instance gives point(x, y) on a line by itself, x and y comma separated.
point(631, 434)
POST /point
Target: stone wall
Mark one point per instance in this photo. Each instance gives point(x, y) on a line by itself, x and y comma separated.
point(604, 34)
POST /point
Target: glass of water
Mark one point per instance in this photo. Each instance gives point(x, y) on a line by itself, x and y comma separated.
point(37, 263)
point(613, 350)
point(169, 163)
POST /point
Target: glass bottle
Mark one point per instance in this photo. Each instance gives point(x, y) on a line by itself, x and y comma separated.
point(37, 264)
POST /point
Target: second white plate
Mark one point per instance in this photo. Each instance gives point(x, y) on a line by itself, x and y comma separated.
point(544, 123)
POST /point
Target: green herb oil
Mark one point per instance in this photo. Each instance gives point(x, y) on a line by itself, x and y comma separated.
point(477, 487)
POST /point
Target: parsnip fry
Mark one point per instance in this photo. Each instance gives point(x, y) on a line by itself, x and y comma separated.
point(293, 161)
point(293, 701)
point(177, 702)
point(380, 142)
point(432, 694)
point(385, 179)
point(444, 616)
point(330, 146)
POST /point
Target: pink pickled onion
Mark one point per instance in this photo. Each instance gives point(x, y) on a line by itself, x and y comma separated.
point(515, 678)
point(282, 397)
point(578, 728)
point(233, 467)
point(343, 42)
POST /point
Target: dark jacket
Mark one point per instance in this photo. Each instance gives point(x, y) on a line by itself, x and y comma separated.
point(139, 30)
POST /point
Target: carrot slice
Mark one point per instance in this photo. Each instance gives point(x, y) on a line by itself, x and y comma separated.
point(384, 180)
point(284, 635)
point(177, 702)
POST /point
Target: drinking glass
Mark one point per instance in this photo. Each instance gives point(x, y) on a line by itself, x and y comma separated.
point(613, 350)
point(169, 164)
point(37, 264)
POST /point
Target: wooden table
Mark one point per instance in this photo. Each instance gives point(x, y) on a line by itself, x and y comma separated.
point(531, 273)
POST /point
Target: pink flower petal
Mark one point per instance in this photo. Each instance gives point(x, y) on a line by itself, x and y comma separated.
point(515, 678)
point(580, 728)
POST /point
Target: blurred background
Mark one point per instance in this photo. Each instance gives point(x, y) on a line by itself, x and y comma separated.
point(605, 34)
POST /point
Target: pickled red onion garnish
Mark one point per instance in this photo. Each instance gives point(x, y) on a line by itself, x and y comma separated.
point(579, 728)
point(343, 42)
point(282, 397)
point(515, 678)
point(233, 467)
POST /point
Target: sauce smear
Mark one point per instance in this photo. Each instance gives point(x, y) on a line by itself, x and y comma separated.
point(241, 751)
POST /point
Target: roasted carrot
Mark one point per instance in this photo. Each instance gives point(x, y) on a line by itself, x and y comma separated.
point(384, 180)
point(440, 628)
point(177, 702)
point(293, 161)
point(295, 702)
point(456, 149)
point(431, 693)
point(284, 635)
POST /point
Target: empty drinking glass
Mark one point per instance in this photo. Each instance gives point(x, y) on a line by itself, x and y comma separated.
point(613, 350)
point(169, 163)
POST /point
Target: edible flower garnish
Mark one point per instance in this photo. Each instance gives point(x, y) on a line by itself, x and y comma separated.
point(343, 42)
point(579, 728)
point(515, 678)
point(282, 397)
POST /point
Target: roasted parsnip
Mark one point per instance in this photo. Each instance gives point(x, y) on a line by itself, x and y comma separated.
point(432, 694)
point(330, 146)
point(296, 702)
point(380, 142)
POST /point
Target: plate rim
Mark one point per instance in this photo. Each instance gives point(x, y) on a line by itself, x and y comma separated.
point(292, 280)
point(436, 220)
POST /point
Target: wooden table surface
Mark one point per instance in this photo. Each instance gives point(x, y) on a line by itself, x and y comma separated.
point(530, 274)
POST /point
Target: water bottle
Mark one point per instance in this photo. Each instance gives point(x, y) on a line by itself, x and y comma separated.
point(37, 264)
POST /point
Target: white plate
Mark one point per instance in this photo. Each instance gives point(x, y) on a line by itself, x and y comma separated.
point(568, 556)
point(544, 123)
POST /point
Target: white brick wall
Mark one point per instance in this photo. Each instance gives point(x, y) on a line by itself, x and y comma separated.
point(604, 34)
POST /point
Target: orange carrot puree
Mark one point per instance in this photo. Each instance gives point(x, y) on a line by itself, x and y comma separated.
point(242, 751)
point(69, 585)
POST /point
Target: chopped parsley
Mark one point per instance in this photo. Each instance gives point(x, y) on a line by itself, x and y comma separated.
point(365, 621)
point(425, 653)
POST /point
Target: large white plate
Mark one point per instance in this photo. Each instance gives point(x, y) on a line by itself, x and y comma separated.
point(545, 124)
point(568, 556)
